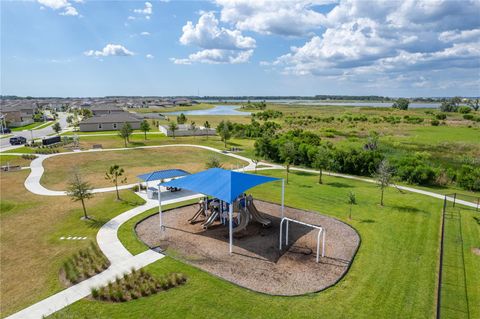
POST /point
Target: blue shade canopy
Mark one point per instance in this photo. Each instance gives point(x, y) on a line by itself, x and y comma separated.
point(220, 183)
point(158, 175)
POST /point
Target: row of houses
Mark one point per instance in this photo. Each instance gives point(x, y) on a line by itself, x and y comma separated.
point(18, 114)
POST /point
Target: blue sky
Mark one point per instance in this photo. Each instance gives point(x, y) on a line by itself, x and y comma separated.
point(240, 47)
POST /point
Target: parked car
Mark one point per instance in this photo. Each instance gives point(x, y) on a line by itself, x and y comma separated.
point(6, 130)
point(17, 140)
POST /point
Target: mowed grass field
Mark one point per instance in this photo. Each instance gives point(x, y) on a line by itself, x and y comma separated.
point(93, 165)
point(394, 274)
point(31, 252)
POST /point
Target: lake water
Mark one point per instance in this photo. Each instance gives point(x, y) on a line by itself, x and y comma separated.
point(217, 110)
point(316, 102)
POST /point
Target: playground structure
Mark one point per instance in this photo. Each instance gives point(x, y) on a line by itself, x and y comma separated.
point(244, 211)
point(256, 262)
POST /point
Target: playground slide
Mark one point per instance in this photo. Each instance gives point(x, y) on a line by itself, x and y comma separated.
point(196, 215)
point(257, 216)
point(244, 220)
point(211, 220)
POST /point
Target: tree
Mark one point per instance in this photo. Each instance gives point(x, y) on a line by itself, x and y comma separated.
point(401, 104)
point(255, 161)
point(113, 173)
point(383, 176)
point(225, 134)
point(351, 200)
point(320, 161)
point(287, 154)
point(173, 127)
point(78, 190)
point(194, 128)
point(125, 132)
point(474, 104)
point(213, 162)
point(372, 141)
point(70, 119)
point(57, 127)
point(207, 126)
point(145, 127)
point(181, 119)
point(450, 105)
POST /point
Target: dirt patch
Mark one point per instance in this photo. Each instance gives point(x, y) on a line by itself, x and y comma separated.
point(476, 251)
point(256, 262)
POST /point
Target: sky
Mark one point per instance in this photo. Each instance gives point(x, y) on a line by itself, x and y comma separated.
point(71, 48)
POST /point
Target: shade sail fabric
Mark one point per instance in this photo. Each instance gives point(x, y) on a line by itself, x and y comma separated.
point(158, 175)
point(220, 183)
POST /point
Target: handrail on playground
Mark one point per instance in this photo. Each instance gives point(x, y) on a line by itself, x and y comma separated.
point(320, 232)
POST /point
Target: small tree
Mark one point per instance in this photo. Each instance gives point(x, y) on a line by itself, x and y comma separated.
point(401, 104)
point(351, 200)
point(173, 127)
point(383, 176)
point(287, 154)
point(207, 126)
point(181, 119)
point(145, 127)
point(125, 132)
point(225, 134)
point(320, 161)
point(474, 104)
point(255, 161)
point(57, 127)
point(113, 174)
point(194, 128)
point(213, 162)
point(78, 190)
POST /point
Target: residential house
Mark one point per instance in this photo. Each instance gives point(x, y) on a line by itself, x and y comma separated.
point(108, 122)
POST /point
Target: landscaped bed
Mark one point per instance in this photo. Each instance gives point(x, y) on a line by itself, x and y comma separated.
point(257, 263)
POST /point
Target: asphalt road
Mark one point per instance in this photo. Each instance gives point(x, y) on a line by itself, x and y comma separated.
point(5, 144)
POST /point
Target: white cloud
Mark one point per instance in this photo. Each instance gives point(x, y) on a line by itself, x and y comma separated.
point(110, 50)
point(131, 18)
point(149, 56)
point(147, 10)
point(218, 44)
point(216, 56)
point(79, 1)
point(69, 10)
point(145, 33)
point(289, 18)
point(382, 39)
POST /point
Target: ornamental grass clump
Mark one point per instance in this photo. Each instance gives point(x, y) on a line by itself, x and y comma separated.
point(85, 264)
point(135, 285)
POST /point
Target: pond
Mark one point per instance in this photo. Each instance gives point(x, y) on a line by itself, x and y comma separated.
point(217, 110)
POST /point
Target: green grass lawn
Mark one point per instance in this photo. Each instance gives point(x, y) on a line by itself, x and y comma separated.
point(31, 253)
point(93, 165)
point(394, 274)
point(13, 160)
point(461, 265)
point(32, 126)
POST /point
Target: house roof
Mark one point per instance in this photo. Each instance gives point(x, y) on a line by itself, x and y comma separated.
point(105, 108)
point(120, 117)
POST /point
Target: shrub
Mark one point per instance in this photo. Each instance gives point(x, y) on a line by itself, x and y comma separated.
point(415, 170)
point(464, 109)
point(434, 122)
point(441, 116)
point(468, 116)
point(469, 178)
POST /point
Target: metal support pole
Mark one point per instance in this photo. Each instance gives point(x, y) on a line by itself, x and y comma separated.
point(323, 243)
point(454, 198)
point(230, 227)
point(286, 234)
point(283, 197)
point(160, 209)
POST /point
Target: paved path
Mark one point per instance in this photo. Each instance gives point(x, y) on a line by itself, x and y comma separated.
point(122, 261)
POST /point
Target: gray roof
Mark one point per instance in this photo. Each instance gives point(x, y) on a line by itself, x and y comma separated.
point(105, 108)
point(112, 118)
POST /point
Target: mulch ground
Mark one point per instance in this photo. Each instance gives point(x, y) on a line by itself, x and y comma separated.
point(256, 262)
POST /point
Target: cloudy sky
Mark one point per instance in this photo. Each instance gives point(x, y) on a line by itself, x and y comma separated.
point(240, 47)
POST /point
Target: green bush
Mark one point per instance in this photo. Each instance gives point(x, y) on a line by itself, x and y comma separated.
point(86, 263)
point(464, 109)
point(469, 178)
point(434, 122)
point(468, 117)
point(415, 170)
point(441, 116)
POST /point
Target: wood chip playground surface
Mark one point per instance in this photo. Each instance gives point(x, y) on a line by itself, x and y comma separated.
point(256, 262)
